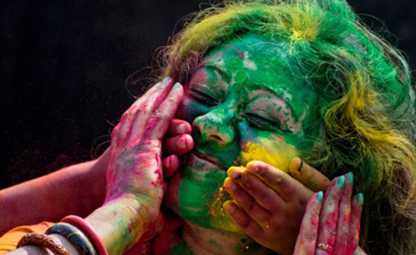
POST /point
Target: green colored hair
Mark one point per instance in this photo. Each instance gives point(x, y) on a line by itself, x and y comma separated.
point(366, 98)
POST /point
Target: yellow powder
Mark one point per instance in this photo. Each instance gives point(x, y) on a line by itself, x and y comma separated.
point(274, 152)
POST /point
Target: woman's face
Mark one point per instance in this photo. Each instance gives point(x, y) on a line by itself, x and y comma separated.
point(246, 101)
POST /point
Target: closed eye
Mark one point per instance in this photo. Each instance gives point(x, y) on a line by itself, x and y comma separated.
point(260, 122)
point(203, 97)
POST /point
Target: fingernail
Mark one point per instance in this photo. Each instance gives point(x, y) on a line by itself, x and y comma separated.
point(350, 177)
point(166, 81)
point(226, 181)
point(177, 86)
point(228, 206)
point(236, 175)
point(341, 182)
point(360, 198)
point(300, 165)
point(319, 196)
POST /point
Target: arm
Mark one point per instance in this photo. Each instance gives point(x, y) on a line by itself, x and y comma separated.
point(48, 196)
point(111, 222)
point(131, 210)
point(53, 196)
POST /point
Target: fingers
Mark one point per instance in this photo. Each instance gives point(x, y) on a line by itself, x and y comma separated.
point(329, 217)
point(161, 117)
point(140, 108)
point(354, 235)
point(343, 229)
point(247, 203)
point(309, 176)
point(179, 144)
point(241, 218)
point(179, 127)
point(149, 108)
point(170, 165)
point(262, 194)
point(307, 238)
point(337, 226)
point(279, 181)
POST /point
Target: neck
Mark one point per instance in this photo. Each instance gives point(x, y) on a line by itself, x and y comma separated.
point(203, 241)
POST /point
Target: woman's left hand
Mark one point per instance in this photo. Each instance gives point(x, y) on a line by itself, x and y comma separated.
point(268, 204)
point(331, 224)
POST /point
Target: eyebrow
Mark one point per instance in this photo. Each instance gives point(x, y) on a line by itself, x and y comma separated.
point(217, 68)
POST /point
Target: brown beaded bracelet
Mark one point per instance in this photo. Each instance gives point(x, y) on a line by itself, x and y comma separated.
point(43, 241)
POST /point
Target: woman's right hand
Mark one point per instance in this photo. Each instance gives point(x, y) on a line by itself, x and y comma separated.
point(135, 167)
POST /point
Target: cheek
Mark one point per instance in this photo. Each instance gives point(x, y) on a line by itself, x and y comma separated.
point(268, 147)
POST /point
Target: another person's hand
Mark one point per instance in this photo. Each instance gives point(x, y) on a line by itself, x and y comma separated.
point(135, 164)
point(178, 142)
point(331, 224)
point(268, 204)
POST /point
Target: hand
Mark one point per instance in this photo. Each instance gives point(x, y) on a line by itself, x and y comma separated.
point(135, 158)
point(331, 224)
point(268, 204)
point(178, 142)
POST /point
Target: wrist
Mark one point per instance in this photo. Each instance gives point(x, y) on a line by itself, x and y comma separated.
point(120, 222)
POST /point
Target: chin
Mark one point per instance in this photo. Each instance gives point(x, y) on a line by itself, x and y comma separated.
point(195, 194)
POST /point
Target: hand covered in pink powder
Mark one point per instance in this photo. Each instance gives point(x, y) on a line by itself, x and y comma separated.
point(268, 204)
point(178, 142)
point(331, 224)
point(135, 165)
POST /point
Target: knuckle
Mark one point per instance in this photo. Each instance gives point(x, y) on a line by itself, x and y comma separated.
point(279, 180)
point(159, 115)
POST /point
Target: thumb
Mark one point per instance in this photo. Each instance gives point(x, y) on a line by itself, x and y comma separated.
point(308, 175)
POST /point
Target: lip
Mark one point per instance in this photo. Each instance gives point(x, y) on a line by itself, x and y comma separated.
point(210, 160)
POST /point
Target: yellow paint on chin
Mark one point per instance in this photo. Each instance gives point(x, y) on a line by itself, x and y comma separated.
point(275, 152)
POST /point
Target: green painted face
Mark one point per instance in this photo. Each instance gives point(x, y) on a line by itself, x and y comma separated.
point(247, 92)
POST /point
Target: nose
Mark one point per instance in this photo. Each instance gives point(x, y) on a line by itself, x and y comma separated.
point(215, 126)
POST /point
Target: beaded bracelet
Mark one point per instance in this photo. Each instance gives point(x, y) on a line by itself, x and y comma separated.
point(43, 241)
point(88, 230)
point(78, 239)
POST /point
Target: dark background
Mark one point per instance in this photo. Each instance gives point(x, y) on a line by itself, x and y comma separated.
point(64, 65)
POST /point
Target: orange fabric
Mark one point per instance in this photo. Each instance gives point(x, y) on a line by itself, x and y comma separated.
point(9, 240)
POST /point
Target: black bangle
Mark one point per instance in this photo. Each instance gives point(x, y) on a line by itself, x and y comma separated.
point(74, 236)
